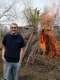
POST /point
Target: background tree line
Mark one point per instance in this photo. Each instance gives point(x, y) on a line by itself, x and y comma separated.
point(12, 12)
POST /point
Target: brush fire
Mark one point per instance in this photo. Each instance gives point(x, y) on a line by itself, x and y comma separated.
point(46, 39)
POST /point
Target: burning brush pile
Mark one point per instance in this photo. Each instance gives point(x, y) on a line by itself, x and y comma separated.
point(42, 45)
point(41, 51)
point(42, 58)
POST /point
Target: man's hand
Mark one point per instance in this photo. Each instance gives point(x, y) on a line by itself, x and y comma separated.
point(3, 59)
point(20, 61)
point(21, 55)
point(3, 52)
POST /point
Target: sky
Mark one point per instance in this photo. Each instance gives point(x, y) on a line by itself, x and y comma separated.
point(41, 3)
point(36, 3)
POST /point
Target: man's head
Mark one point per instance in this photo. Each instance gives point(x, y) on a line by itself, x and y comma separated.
point(13, 28)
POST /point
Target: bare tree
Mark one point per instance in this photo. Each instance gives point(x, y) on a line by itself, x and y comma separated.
point(9, 11)
point(1, 30)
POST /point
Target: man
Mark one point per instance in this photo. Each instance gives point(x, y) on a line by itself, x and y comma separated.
point(12, 53)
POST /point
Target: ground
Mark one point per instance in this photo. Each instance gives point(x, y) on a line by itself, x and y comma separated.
point(46, 71)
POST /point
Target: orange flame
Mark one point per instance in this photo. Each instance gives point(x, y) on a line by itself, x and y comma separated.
point(48, 43)
point(46, 40)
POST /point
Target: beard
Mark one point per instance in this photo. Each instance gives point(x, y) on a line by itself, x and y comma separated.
point(13, 32)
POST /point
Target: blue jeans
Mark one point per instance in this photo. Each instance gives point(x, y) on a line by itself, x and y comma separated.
point(11, 71)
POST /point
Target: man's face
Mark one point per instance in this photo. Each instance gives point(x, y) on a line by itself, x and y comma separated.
point(13, 29)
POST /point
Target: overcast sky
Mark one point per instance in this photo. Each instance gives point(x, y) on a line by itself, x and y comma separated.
point(36, 3)
point(41, 3)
